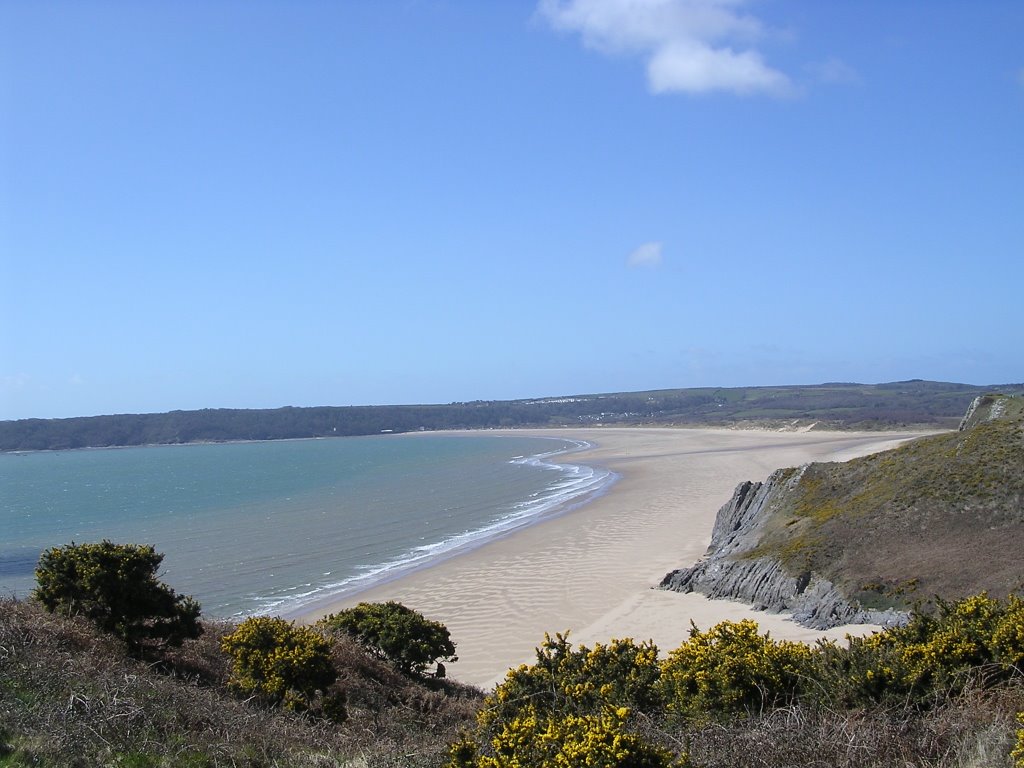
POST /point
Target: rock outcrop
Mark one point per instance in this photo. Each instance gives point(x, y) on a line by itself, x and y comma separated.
point(831, 542)
point(732, 570)
point(983, 408)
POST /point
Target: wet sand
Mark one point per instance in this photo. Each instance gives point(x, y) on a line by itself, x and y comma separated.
point(591, 569)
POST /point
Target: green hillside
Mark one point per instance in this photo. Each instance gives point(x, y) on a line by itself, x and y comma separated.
point(943, 515)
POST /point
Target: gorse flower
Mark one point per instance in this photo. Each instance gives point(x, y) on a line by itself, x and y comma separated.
point(732, 669)
point(586, 706)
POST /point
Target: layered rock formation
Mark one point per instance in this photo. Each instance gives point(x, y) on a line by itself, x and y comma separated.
point(864, 540)
point(732, 570)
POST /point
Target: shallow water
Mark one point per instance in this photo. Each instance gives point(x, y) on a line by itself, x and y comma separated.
point(268, 527)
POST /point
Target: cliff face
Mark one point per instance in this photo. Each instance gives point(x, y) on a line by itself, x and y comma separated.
point(731, 570)
point(862, 541)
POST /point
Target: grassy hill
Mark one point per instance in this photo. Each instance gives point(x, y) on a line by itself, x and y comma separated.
point(943, 515)
point(71, 696)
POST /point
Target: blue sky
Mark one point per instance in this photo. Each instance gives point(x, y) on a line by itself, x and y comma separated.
point(256, 204)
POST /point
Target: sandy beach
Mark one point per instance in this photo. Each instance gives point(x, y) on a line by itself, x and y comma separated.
point(591, 570)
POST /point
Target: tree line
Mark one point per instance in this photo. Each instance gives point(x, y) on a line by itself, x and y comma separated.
point(837, 405)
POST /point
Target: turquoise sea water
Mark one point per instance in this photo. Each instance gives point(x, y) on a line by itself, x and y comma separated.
point(268, 527)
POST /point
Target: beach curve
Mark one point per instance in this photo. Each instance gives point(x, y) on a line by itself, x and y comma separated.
point(591, 569)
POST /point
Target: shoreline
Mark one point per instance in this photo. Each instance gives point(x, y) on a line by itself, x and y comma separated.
point(321, 603)
point(527, 431)
point(590, 569)
point(522, 484)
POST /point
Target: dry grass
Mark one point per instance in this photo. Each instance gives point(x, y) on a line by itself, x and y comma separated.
point(72, 697)
point(975, 731)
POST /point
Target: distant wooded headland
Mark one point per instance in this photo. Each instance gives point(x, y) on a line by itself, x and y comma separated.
point(833, 406)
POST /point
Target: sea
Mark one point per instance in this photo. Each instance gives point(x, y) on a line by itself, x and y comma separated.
point(273, 527)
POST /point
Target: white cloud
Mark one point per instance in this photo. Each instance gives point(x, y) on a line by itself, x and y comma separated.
point(647, 255)
point(686, 43)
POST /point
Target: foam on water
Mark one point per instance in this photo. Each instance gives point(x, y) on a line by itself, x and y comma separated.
point(579, 485)
point(272, 527)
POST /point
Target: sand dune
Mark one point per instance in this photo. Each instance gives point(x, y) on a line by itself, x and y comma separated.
point(591, 570)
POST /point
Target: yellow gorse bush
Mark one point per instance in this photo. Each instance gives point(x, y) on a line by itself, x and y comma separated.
point(731, 669)
point(573, 707)
point(580, 680)
point(533, 739)
point(1008, 635)
point(588, 706)
point(857, 673)
point(975, 640)
point(280, 662)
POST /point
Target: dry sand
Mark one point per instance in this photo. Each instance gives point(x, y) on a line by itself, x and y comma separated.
point(591, 570)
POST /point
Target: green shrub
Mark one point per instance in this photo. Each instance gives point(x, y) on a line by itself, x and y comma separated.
point(115, 586)
point(395, 633)
point(284, 665)
point(860, 674)
point(731, 669)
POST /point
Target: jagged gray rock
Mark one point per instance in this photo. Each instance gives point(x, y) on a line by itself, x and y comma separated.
point(728, 571)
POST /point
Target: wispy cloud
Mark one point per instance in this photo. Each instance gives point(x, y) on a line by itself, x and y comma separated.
point(687, 44)
point(647, 255)
point(15, 383)
point(835, 71)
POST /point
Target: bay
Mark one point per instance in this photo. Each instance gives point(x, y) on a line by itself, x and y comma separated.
point(252, 528)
